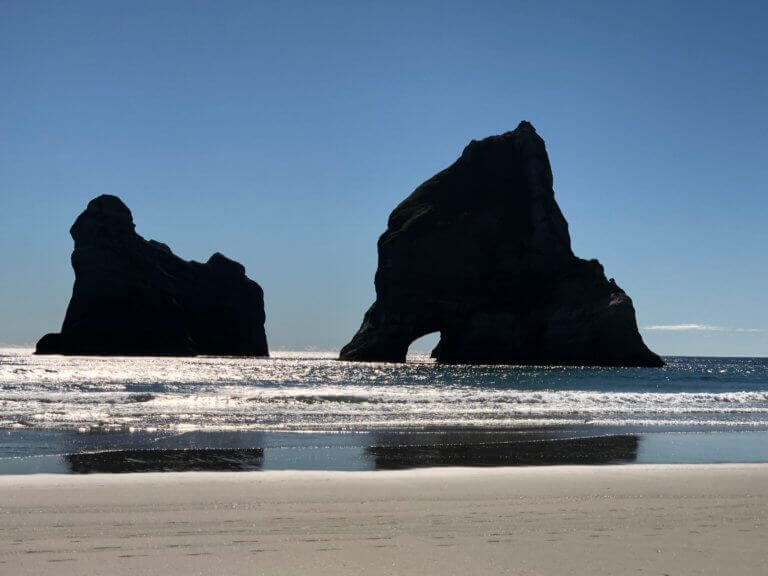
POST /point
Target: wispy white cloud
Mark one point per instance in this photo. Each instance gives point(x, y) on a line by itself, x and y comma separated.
point(683, 327)
point(696, 328)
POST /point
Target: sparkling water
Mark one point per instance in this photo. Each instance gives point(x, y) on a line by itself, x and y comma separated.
point(314, 392)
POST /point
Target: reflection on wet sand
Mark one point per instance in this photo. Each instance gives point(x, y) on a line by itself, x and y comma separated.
point(591, 450)
point(119, 461)
point(115, 452)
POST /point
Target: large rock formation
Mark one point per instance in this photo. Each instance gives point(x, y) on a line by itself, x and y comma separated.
point(481, 253)
point(133, 296)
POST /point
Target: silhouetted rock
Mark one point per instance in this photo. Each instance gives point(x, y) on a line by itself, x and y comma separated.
point(133, 296)
point(481, 253)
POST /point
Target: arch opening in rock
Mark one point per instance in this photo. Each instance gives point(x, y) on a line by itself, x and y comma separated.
point(423, 347)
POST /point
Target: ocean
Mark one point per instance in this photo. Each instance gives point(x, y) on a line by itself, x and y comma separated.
point(309, 410)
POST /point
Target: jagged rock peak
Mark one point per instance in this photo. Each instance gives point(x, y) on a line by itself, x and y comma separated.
point(224, 265)
point(134, 296)
point(106, 217)
point(481, 253)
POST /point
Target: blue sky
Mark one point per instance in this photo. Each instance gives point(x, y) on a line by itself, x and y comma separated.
point(283, 133)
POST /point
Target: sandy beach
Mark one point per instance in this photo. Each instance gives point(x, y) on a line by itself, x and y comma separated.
point(706, 519)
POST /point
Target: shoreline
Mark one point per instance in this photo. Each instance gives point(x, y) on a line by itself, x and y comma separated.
point(26, 452)
point(676, 519)
point(9, 480)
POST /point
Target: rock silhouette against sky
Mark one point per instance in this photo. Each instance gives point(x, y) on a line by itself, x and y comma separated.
point(134, 296)
point(481, 253)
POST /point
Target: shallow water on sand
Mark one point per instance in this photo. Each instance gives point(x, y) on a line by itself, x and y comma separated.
point(72, 452)
point(300, 410)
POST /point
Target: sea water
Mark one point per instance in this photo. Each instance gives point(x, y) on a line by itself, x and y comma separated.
point(57, 404)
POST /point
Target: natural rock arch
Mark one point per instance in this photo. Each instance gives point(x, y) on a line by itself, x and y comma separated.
point(481, 253)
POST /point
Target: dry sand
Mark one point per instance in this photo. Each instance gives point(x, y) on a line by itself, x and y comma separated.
point(556, 520)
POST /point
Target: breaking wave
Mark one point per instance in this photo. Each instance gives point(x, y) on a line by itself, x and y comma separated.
point(314, 392)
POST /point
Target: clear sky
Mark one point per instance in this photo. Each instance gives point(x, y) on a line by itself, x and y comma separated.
point(283, 133)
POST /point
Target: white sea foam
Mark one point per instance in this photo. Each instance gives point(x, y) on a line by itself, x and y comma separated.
point(300, 391)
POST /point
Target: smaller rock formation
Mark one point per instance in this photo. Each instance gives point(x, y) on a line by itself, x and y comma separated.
point(135, 297)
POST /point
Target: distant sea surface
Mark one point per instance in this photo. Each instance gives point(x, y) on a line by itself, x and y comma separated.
point(52, 405)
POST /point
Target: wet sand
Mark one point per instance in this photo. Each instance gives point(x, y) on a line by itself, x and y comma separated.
point(639, 519)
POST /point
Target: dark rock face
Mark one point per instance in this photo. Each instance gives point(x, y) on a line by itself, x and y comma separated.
point(481, 253)
point(133, 296)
